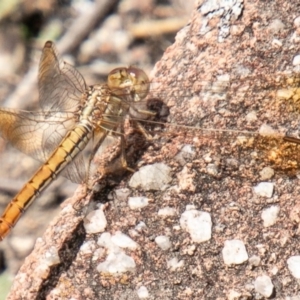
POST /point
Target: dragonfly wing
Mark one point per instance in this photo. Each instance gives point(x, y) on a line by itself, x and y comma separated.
point(60, 85)
point(32, 133)
point(82, 165)
point(76, 171)
point(38, 136)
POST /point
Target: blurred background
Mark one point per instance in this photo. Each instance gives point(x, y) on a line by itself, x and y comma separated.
point(95, 36)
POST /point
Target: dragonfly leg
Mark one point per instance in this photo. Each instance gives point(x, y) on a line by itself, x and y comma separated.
point(146, 112)
point(123, 155)
point(142, 130)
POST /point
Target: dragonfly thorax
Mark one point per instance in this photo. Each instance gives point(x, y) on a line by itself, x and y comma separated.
point(95, 104)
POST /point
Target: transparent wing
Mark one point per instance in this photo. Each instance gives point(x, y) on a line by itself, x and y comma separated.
point(32, 133)
point(76, 171)
point(38, 136)
point(60, 85)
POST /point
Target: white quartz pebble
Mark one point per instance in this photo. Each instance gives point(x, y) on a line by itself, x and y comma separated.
point(137, 202)
point(234, 252)
point(294, 265)
point(264, 286)
point(95, 221)
point(198, 224)
point(163, 242)
point(270, 215)
point(142, 292)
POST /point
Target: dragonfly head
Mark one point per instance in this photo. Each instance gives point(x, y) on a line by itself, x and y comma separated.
point(129, 81)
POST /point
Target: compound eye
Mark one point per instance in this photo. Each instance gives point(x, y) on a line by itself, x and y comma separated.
point(129, 81)
point(141, 82)
point(116, 78)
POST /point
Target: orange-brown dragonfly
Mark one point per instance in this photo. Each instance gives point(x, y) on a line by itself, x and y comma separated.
point(71, 115)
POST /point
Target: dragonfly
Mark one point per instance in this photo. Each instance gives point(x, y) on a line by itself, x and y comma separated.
point(72, 115)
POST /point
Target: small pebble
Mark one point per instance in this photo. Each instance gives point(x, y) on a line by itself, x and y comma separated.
point(254, 260)
point(51, 256)
point(122, 194)
point(267, 130)
point(264, 286)
point(95, 221)
point(140, 226)
point(294, 265)
point(186, 153)
point(296, 60)
point(173, 264)
point(167, 212)
point(266, 173)
point(151, 177)
point(117, 263)
point(142, 292)
point(138, 202)
point(88, 247)
point(124, 241)
point(163, 242)
point(297, 21)
point(234, 252)
point(198, 224)
point(270, 215)
point(264, 189)
point(105, 241)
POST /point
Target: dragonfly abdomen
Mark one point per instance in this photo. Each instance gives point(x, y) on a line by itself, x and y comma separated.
point(73, 143)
